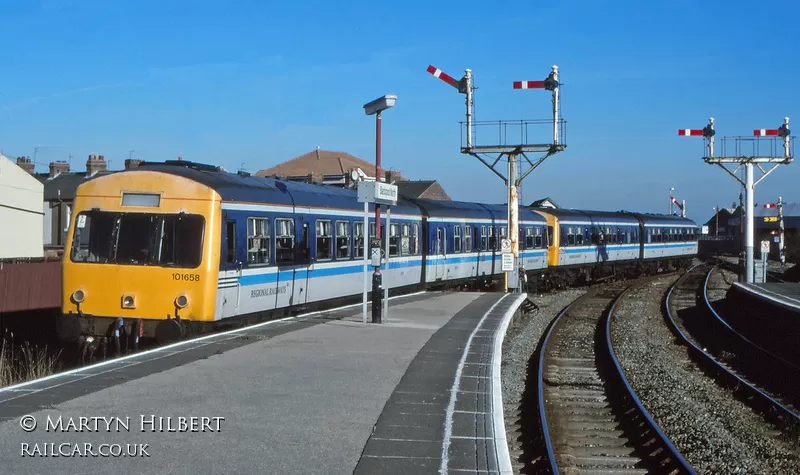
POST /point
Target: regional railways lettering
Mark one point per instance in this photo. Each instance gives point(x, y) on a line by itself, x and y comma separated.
point(255, 293)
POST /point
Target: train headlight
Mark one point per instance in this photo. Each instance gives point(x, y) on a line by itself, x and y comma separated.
point(128, 301)
point(78, 296)
point(181, 301)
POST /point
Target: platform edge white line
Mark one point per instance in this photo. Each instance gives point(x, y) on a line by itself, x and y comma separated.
point(498, 418)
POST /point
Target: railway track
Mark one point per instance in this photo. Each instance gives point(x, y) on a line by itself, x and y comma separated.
point(591, 419)
point(765, 381)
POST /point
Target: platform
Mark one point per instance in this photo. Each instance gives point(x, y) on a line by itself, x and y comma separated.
point(322, 393)
point(783, 295)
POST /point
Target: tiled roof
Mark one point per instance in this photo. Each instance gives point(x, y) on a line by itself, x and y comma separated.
point(323, 162)
point(64, 185)
point(421, 189)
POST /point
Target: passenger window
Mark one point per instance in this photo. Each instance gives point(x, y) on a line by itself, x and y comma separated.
point(549, 234)
point(414, 239)
point(492, 238)
point(484, 239)
point(342, 239)
point(257, 241)
point(394, 239)
point(570, 237)
point(284, 240)
point(358, 232)
point(467, 238)
point(231, 242)
point(529, 239)
point(439, 242)
point(457, 238)
point(324, 240)
point(537, 241)
point(404, 238)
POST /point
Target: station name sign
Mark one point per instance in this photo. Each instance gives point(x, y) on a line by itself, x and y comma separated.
point(377, 192)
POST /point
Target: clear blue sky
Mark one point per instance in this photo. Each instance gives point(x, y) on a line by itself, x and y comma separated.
point(261, 82)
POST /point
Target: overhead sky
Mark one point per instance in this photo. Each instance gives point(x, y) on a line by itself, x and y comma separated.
point(254, 83)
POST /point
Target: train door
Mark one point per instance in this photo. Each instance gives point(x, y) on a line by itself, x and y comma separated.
point(441, 253)
point(302, 262)
point(286, 257)
point(229, 292)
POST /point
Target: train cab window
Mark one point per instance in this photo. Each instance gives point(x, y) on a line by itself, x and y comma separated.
point(529, 238)
point(414, 241)
point(358, 234)
point(92, 239)
point(284, 240)
point(343, 239)
point(257, 241)
point(394, 239)
point(467, 238)
point(457, 239)
point(324, 240)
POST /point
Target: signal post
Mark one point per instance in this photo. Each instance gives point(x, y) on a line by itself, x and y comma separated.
point(512, 149)
point(764, 149)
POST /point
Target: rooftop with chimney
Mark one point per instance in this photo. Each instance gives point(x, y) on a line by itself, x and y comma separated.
point(325, 167)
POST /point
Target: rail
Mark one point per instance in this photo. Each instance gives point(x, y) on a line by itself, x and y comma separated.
point(673, 455)
point(721, 369)
point(674, 452)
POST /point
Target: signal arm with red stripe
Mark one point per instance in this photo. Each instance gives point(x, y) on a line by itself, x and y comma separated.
point(690, 132)
point(438, 73)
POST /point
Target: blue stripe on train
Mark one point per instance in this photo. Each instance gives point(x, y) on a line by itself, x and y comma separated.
point(358, 267)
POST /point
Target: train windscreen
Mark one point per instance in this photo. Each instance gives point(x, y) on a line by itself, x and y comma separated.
point(168, 240)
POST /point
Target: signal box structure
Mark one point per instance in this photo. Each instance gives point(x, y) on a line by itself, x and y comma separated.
point(515, 138)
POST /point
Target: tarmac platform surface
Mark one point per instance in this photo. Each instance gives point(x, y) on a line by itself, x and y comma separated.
point(317, 394)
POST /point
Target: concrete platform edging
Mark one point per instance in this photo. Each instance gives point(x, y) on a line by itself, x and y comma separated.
point(501, 444)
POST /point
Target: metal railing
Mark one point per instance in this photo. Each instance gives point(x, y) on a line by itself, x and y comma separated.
point(509, 133)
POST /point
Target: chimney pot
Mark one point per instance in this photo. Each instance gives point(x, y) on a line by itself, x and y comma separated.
point(132, 163)
point(26, 164)
point(95, 164)
point(58, 167)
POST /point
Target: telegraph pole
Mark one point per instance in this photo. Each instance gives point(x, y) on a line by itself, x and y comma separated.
point(764, 144)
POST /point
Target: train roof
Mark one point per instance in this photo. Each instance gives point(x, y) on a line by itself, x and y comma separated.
point(665, 219)
point(245, 188)
point(466, 209)
point(590, 215)
point(618, 216)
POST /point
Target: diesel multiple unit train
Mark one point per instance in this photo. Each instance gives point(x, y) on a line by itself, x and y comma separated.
point(169, 249)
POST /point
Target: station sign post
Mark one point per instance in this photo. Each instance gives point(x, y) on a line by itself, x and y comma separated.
point(385, 194)
point(764, 256)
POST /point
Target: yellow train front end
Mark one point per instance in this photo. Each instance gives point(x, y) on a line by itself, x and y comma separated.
point(553, 238)
point(141, 260)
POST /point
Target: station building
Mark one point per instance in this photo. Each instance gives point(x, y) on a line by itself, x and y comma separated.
point(726, 231)
point(21, 203)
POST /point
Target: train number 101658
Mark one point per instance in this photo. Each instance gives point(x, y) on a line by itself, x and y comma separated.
point(186, 277)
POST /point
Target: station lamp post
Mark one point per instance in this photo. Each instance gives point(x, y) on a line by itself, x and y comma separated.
point(375, 108)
